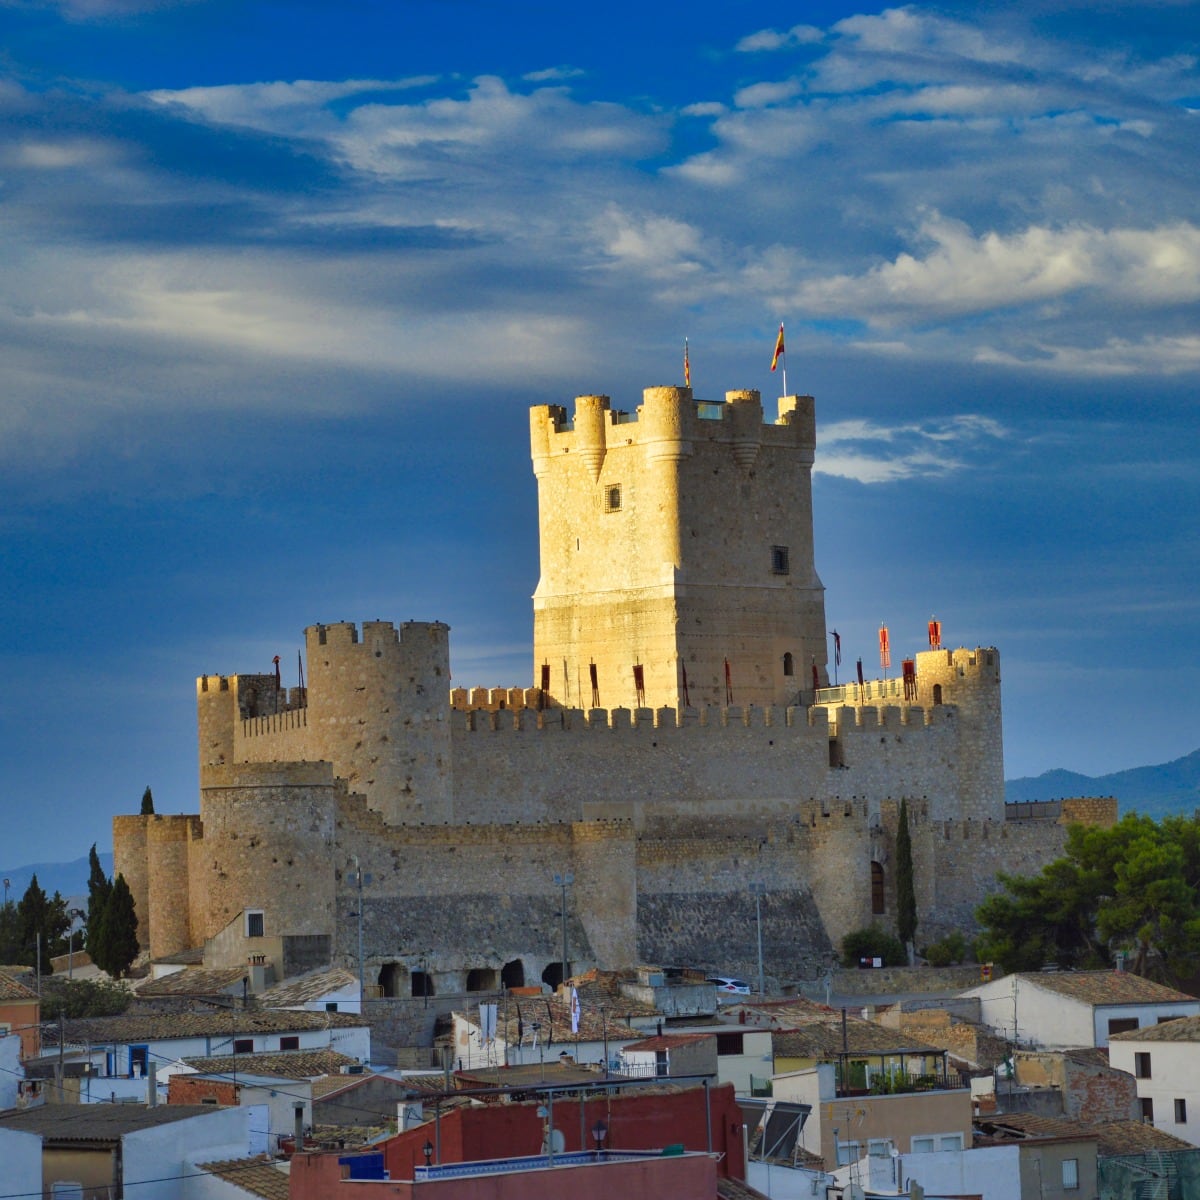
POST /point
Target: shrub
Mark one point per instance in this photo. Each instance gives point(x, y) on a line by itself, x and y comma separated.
point(873, 942)
point(950, 950)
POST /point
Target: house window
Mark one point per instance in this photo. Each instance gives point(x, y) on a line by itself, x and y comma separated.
point(1070, 1172)
point(139, 1057)
point(921, 1145)
point(1141, 1065)
point(1121, 1025)
point(243, 1045)
point(878, 897)
point(254, 922)
point(1180, 1112)
point(1147, 1107)
point(289, 1043)
point(331, 1006)
point(950, 1141)
point(612, 498)
point(729, 1043)
point(779, 560)
point(848, 1152)
point(879, 1147)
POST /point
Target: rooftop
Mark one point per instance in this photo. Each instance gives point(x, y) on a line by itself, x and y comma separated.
point(1112, 1137)
point(195, 981)
point(287, 1064)
point(12, 992)
point(1178, 1029)
point(672, 1041)
point(1105, 987)
point(133, 1027)
point(255, 1176)
point(304, 989)
point(96, 1122)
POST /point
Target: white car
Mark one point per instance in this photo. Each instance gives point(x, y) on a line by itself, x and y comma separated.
point(728, 986)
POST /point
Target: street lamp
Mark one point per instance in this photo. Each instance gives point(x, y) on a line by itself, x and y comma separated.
point(758, 891)
point(362, 991)
point(564, 881)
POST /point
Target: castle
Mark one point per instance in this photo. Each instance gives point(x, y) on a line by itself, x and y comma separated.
point(680, 749)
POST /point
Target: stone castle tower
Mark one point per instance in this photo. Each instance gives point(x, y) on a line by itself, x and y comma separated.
point(676, 552)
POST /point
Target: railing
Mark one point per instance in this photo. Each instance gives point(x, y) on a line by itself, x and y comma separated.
point(851, 693)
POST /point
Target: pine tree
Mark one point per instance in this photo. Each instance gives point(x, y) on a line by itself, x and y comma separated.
point(147, 802)
point(906, 896)
point(99, 890)
point(42, 921)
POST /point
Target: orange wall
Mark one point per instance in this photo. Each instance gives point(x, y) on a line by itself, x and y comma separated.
point(22, 1016)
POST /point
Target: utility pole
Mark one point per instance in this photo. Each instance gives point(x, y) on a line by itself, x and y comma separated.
point(758, 891)
point(564, 881)
point(362, 991)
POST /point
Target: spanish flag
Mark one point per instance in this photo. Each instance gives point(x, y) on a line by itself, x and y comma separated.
point(778, 348)
point(687, 366)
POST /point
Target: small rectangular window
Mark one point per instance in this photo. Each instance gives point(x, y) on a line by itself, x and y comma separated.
point(612, 498)
point(289, 1043)
point(1180, 1112)
point(1141, 1065)
point(1070, 1172)
point(729, 1043)
point(254, 923)
point(922, 1145)
point(779, 560)
point(950, 1141)
point(243, 1045)
point(848, 1152)
point(1147, 1107)
point(331, 1006)
point(1121, 1025)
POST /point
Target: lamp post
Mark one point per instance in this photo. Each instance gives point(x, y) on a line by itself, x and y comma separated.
point(564, 881)
point(758, 891)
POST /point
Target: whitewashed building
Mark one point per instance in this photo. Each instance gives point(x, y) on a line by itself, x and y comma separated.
point(1164, 1061)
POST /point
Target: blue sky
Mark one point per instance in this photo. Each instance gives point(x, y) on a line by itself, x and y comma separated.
point(278, 282)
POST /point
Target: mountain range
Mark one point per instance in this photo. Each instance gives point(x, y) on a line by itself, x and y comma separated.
point(1160, 791)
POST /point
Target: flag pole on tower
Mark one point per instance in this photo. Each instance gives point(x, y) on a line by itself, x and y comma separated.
point(687, 366)
point(780, 352)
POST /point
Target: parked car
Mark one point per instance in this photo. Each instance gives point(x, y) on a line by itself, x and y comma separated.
point(729, 986)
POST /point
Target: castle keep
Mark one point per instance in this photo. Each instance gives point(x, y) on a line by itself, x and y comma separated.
point(679, 741)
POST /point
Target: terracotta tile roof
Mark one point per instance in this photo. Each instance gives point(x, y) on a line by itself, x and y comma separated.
point(736, 1189)
point(303, 989)
point(96, 1122)
point(596, 988)
point(140, 1027)
point(1179, 1029)
point(255, 1176)
point(334, 1085)
point(670, 1041)
point(12, 992)
point(287, 1064)
point(790, 1013)
point(554, 1016)
point(195, 981)
point(188, 958)
point(1105, 987)
point(1113, 1137)
point(826, 1041)
point(527, 1075)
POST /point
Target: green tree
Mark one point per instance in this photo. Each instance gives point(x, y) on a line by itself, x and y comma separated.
point(116, 942)
point(99, 890)
point(83, 998)
point(1133, 888)
point(41, 921)
point(147, 802)
point(10, 938)
point(906, 896)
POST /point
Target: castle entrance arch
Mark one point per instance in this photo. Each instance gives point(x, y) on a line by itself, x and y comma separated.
point(512, 974)
point(481, 979)
point(391, 979)
point(553, 976)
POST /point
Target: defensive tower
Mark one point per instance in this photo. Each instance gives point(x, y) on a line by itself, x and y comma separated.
point(676, 552)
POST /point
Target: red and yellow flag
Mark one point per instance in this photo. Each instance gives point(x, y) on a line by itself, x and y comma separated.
point(687, 366)
point(778, 348)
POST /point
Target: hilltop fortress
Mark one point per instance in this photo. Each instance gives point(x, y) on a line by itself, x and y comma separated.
point(679, 743)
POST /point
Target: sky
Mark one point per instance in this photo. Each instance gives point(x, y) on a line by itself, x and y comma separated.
point(279, 282)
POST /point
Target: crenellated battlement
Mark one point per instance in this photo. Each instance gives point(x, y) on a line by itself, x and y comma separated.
point(371, 633)
point(518, 719)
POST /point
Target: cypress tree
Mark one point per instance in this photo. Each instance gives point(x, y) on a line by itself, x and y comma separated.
point(147, 802)
point(99, 890)
point(116, 942)
point(906, 896)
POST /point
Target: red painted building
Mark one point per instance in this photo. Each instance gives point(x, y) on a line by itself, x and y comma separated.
point(703, 1142)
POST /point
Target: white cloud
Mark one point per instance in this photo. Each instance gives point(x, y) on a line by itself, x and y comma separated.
point(761, 95)
point(774, 39)
point(872, 452)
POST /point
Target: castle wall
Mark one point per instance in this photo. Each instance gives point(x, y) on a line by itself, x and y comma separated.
point(131, 859)
point(268, 836)
point(677, 538)
point(167, 839)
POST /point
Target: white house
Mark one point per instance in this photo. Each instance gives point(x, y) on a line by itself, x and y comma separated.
point(11, 1072)
point(1061, 1009)
point(21, 1154)
point(1165, 1063)
point(123, 1047)
point(97, 1144)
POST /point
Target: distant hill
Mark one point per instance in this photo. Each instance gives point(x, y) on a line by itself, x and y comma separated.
point(1160, 791)
point(69, 878)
